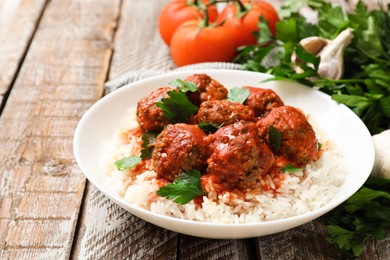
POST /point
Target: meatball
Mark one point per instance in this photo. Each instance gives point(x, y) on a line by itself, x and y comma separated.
point(223, 112)
point(149, 116)
point(209, 89)
point(238, 156)
point(179, 148)
point(298, 139)
point(262, 100)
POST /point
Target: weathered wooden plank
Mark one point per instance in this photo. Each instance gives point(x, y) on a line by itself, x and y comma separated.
point(199, 248)
point(41, 186)
point(303, 242)
point(106, 230)
point(138, 45)
point(18, 21)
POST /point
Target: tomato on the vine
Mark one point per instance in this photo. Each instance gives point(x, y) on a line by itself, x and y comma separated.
point(178, 11)
point(195, 41)
point(242, 17)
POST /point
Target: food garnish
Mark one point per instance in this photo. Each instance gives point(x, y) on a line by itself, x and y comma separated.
point(275, 137)
point(209, 128)
point(183, 85)
point(177, 106)
point(183, 189)
point(148, 140)
point(127, 162)
point(290, 168)
point(238, 95)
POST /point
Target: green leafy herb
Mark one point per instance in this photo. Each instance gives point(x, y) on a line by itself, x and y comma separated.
point(238, 95)
point(275, 138)
point(177, 107)
point(127, 162)
point(209, 128)
point(366, 214)
point(290, 168)
point(148, 140)
point(184, 189)
point(365, 86)
point(184, 85)
point(319, 146)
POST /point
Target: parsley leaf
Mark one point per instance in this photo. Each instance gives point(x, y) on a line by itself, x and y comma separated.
point(238, 95)
point(184, 189)
point(127, 162)
point(209, 128)
point(148, 140)
point(290, 168)
point(275, 138)
point(177, 107)
point(366, 214)
point(184, 85)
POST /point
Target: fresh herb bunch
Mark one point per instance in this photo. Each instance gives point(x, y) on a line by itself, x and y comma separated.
point(365, 85)
point(363, 216)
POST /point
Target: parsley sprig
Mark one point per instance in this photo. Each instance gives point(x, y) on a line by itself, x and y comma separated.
point(177, 106)
point(183, 189)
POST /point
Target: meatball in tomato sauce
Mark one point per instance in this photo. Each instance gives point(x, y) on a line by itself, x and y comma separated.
point(262, 100)
point(208, 89)
point(223, 112)
point(179, 148)
point(298, 139)
point(238, 156)
point(149, 116)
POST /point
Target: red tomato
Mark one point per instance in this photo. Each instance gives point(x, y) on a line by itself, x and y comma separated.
point(191, 43)
point(178, 11)
point(243, 27)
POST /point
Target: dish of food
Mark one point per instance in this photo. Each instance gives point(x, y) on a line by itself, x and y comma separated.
point(249, 190)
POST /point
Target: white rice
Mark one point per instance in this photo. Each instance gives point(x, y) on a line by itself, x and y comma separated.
point(299, 192)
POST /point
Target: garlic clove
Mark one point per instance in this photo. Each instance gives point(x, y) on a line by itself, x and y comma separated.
point(382, 155)
point(314, 44)
point(331, 52)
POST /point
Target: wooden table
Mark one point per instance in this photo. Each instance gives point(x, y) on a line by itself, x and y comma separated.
point(55, 57)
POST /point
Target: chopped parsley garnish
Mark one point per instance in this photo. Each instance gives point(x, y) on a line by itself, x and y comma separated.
point(184, 85)
point(319, 146)
point(290, 168)
point(209, 128)
point(148, 140)
point(275, 138)
point(127, 162)
point(238, 95)
point(177, 106)
point(184, 189)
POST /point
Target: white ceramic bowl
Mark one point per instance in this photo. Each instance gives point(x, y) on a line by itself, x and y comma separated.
point(104, 118)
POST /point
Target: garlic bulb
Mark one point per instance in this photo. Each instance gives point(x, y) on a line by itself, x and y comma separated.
point(331, 52)
point(382, 155)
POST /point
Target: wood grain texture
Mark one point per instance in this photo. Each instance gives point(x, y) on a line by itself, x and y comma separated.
point(199, 248)
point(105, 229)
point(18, 21)
point(303, 242)
point(63, 73)
point(138, 45)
